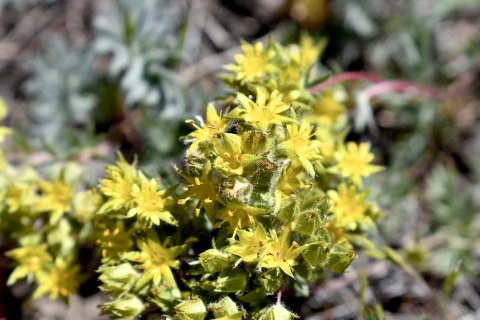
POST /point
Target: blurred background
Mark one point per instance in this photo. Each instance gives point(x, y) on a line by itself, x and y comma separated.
point(85, 78)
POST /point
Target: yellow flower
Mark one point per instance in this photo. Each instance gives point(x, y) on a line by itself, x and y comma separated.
point(238, 216)
point(251, 244)
point(254, 63)
point(309, 51)
point(331, 140)
point(60, 280)
point(117, 186)
point(56, 197)
point(336, 232)
point(86, 205)
point(281, 253)
point(300, 146)
point(156, 260)
point(150, 204)
point(230, 158)
point(31, 259)
point(354, 162)
point(327, 111)
point(201, 188)
point(349, 208)
point(229, 154)
point(261, 114)
point(19, 196)
point(213, 125)
point(112, 241)
point(289, 183)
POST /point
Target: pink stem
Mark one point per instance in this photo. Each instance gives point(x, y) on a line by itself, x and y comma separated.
point(382, 86)
point(402, 86)
point(346, 76)
point(279, 296)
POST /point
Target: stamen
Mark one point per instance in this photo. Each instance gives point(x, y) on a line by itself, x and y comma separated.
point(183, 201)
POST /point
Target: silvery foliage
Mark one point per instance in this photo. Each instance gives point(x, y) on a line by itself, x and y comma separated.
point(137, 35)
point(59, 89)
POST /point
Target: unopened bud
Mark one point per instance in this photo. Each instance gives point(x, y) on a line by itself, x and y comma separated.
point(191, 310)
point(126, 306)
point(213, 260)
point(278, 312)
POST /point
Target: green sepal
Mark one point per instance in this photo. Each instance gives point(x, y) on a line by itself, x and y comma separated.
point(288, 210)
point(272, 279)
point(278, 312)
point(166, 297)
point(340, 258)
point(254, 297)
point(191, 310)
point(213, 260)
point(316, 253)
point(308, 272)
point(231, 280)
point(117, 279)
point(312, 216)
point(127, 306)
point(224, 307)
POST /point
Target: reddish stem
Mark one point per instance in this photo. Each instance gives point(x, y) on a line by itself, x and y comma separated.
point(346, 76)
point(402, 86)
point(382, 86)
point(279, 293)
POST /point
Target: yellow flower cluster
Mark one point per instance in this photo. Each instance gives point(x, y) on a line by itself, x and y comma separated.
point(38, 214)
point(271, 192)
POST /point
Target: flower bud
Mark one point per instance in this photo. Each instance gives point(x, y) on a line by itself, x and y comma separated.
point(224, 308)
point(191, 310)
point(278, 312)
point(127, 306)
point(316, 253)
point(213, 260)
point(340, 258)
point(117, 279)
